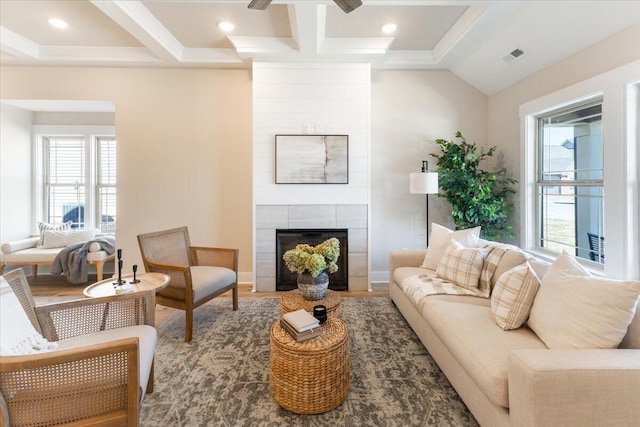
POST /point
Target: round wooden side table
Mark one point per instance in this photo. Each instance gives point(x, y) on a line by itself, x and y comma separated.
point(313, 376)
point(293, 300)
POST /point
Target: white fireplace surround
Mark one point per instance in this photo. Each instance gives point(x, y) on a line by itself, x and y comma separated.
point(271, 217)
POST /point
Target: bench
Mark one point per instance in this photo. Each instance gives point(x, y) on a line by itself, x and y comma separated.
point(25, 252)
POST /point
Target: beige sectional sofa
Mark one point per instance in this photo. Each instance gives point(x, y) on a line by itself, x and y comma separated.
point(25, 252)
point(511, 378)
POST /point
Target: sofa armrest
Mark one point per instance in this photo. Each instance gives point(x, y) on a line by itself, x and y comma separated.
point(18, 245)
point(405, 258)
point(574, 387)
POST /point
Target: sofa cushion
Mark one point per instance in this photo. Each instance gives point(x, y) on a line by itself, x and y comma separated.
point(45, 226)
point(31, 256)
point(461, 265)
point(513, 295)
point(511, 258)
point(62, 239)
point(18, 245)
point(576, 310)
point(471, 335)
point(440, 238)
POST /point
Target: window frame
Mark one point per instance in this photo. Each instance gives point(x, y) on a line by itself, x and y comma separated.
point(90, 135)
point(541, 182)
point(620, 91)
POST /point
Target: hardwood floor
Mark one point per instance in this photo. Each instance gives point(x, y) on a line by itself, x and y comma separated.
point(47, 288)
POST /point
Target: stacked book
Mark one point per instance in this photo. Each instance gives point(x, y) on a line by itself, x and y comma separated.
point(301, 325)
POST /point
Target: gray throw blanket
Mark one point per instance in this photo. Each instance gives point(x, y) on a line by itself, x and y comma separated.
point(72, 260)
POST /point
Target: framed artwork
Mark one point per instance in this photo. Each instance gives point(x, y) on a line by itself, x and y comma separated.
point(312, 159)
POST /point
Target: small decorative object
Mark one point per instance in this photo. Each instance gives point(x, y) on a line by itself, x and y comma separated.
point(320, 313)
point(120, 281)
point(135, 270)
point(312, 263)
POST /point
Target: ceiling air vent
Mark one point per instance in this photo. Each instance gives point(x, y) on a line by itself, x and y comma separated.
point(513, 55)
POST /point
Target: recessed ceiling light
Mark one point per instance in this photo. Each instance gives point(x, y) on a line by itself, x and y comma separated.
point(389, 28)
point(58, 23)
point(226, 26)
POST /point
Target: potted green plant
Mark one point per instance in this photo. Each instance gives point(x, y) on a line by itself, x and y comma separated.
point(478, 197)
point(312, 263)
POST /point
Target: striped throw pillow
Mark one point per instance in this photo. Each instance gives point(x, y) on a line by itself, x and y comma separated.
point(513, 295)
point(462, 266)
point(45, 226)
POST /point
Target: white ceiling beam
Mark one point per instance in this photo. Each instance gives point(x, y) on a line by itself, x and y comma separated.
point(308, 22)
point(210, 56)
point(456, 33)
point(105, 54)
point(136, 19)
point(356, 46)
point(246, 47)
point(18, 46)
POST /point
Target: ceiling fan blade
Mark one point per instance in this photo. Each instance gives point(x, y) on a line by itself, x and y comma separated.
point(259, 4)
point(348, 5)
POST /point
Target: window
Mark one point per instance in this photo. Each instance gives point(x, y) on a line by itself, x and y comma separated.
point(79, 180)
point(569, 183)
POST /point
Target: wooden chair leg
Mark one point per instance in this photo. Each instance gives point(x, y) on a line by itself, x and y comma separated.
point(189, 324)
point(235, 297)
point(99, 270)
point(150, 381)
point(34, 270)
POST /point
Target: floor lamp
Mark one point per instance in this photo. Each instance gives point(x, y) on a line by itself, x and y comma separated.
point(424, 182)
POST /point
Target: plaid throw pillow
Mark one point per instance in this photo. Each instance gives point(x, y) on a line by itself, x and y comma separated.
point(45, 226)
point(513, 295)
point(462, 266)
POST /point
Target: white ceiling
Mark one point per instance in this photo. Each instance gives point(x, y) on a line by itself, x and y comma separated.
point(468, 37)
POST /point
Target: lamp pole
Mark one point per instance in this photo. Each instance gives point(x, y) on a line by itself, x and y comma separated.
point(426, 183)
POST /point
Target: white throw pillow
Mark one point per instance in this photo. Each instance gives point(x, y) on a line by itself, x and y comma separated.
point(440, 238)
point(61, 239)
point(513, 296)
point(574, 309)
point(461, 265)
point(17, 334)
point(45, 226)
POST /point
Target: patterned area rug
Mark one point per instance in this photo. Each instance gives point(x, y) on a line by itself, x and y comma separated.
point(222, 377)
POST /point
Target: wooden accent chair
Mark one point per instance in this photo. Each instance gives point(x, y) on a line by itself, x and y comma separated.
point(97, 374)
point(198, 274)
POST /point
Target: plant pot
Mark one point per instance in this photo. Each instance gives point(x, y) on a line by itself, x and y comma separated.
point(313, 288)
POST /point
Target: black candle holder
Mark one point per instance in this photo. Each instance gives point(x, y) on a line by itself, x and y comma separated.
point(320, 313)
point(135, 270)
point(119, 282)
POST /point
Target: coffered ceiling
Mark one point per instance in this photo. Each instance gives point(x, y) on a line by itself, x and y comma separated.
point(472, 38)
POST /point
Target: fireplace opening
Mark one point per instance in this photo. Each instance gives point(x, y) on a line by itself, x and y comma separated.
point(288, 239)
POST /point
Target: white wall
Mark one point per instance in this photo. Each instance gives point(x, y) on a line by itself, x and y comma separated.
point(15, 173)
point(410, 110)
point(314, 99)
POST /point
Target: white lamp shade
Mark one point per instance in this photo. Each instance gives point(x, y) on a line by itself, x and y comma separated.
point(423, 183)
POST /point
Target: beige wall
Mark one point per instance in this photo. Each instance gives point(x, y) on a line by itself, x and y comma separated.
point(184, 146)
point(504, 122)
point(409, 111)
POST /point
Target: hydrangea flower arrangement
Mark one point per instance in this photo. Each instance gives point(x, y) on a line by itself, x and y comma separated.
point(314, 259)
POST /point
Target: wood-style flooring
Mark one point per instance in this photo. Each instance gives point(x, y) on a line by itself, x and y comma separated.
point(47, 288)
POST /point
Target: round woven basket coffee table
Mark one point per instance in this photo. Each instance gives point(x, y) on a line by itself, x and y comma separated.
point(313, 376)
point(293, 300)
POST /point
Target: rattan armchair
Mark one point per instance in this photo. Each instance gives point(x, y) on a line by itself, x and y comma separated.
point(97, 374)
point(198, 274)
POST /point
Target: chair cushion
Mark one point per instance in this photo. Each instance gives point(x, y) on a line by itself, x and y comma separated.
point(17, 334)
point(147, 338)
point(207, 280)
